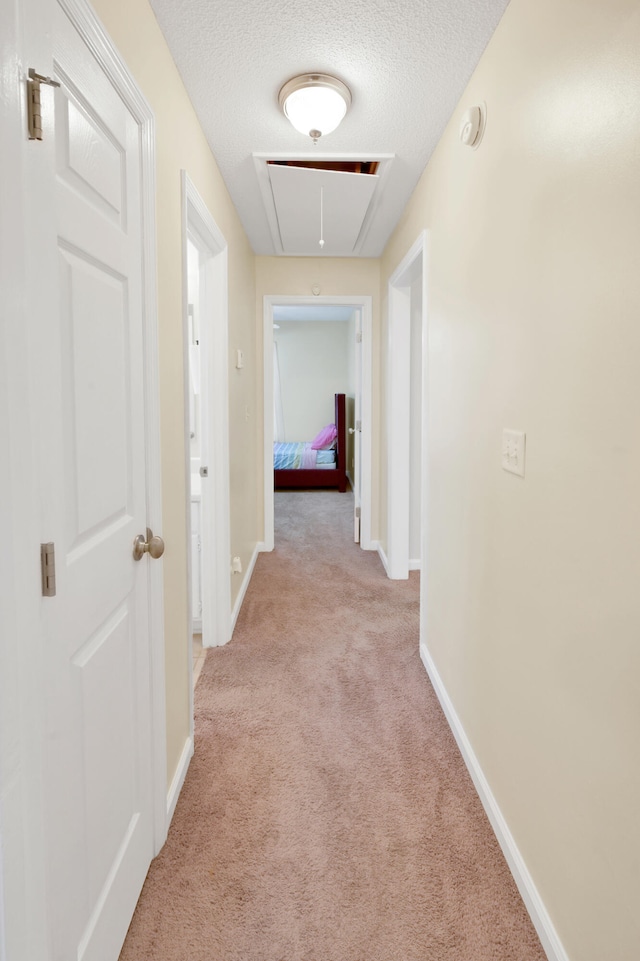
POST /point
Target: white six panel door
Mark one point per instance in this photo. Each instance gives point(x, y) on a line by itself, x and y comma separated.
point(98, 780)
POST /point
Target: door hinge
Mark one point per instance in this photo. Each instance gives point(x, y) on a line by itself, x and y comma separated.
point(358, 425)
point(359, 337)
point(358, 513)
point(34, 106)
point(48, 568)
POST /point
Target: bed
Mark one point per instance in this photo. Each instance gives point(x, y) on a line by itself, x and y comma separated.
point(303, 475)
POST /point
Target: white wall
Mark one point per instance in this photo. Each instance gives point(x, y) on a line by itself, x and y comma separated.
point(313, 358)
point(532, 613)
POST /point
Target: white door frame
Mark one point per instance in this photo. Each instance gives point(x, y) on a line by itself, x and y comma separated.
point(21, 677)
point(201, 228)
point(356, 479)
point(281, 300)
point(24, 887)
point(399, 404)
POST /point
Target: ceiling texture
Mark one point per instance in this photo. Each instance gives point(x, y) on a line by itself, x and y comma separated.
point(406, 63)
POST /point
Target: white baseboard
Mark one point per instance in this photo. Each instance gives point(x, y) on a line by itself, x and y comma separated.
point(383, 558)
point(178, 779)
point(415, 565)
point(245, 584)
point(533, 902)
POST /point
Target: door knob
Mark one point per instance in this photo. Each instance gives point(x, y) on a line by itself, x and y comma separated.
point(152, 545)
point(352, 430)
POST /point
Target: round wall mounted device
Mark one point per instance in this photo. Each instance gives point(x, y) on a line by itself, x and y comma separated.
point(472, 126)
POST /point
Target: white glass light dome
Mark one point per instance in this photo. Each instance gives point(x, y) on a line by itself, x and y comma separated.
point(315, 103)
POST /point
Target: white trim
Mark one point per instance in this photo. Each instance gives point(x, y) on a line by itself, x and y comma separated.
point(398, 402)
point(177, 781)
point(365, 303)
point(23, 898)
point(215, 621)
point(216, 591)
point(415, 565)
point(22, 683)
point(534, 904)
point(366, 436)
point(383, 557)
point(99, 42)
point(245, 584)
point(3, 952)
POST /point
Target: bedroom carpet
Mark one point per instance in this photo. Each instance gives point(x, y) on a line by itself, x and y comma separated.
point(327, 814)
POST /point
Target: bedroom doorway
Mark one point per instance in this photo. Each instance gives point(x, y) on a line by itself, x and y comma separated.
point(406, 380)
point(205, 346)
point(355, 314)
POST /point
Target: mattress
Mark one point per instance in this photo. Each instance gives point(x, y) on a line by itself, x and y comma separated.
point(298, 455)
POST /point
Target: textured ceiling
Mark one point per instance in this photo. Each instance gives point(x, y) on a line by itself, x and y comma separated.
point(406, 62)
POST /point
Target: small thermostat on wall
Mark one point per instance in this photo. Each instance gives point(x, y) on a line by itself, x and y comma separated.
point(239, 359)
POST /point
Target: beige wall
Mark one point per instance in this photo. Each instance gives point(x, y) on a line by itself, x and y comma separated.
point(181, 145)
point(348, 277)
point(533, 614)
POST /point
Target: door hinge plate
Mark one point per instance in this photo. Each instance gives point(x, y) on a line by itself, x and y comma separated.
point(358, 425)
point(34, 105)
point(358, 512)
point(48, 568)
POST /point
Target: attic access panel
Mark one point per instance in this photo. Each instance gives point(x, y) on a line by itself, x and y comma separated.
point(346, 166)
point(347, 197)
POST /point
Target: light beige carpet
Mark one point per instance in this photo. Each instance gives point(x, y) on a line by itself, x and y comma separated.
point(327, 814)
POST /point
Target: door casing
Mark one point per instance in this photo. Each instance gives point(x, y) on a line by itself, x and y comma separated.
point(22, 798)
point(365, 303)
point(398, 407)
point(199, 226)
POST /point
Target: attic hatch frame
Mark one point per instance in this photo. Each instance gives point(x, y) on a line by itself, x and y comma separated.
point(322, 161)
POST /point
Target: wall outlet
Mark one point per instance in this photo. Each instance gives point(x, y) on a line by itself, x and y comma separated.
point(513, 450)
point(236, 565)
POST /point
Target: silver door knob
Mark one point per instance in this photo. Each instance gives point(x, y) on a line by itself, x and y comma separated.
point(152, 545)
point(352, 430)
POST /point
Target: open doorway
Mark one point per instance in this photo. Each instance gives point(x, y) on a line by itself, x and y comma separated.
point(355, 316)
point(406, 381)
point(205, 341)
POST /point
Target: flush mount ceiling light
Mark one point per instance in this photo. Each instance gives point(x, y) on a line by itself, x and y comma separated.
point(315, 103)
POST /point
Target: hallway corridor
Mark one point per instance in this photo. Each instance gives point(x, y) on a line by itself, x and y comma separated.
point(327, 814)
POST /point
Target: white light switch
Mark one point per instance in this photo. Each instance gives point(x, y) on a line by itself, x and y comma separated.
point(513, 444)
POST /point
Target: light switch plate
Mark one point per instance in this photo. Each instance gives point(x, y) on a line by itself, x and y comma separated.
point(513, 450)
